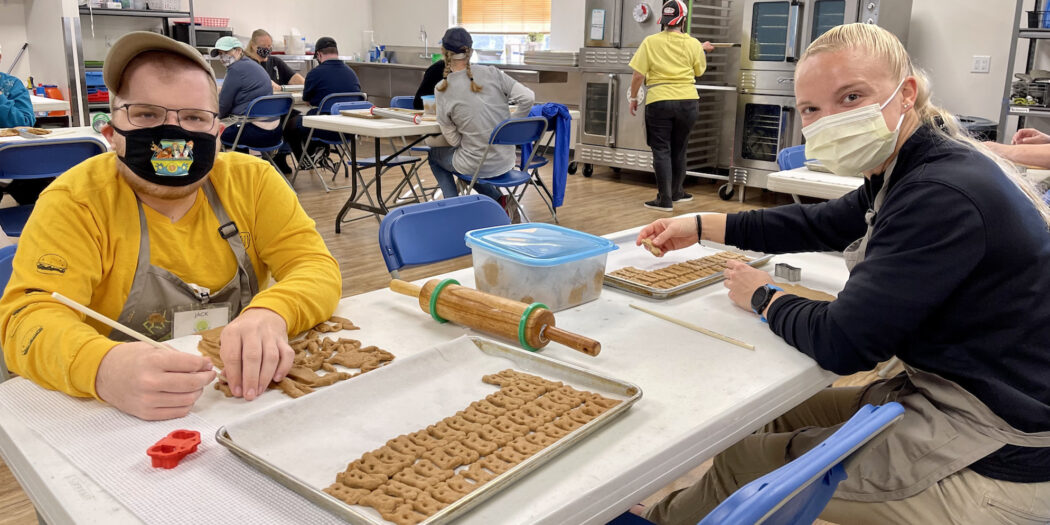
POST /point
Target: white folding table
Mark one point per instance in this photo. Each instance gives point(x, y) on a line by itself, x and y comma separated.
point(700, 395)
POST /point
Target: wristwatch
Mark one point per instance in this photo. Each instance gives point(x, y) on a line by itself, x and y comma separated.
point(761, 298)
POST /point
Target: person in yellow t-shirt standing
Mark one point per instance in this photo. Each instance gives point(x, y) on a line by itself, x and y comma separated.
point(668, 63)
point(169, 237)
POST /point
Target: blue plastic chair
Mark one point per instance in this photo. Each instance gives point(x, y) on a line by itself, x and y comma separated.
point(7, 256)
point(408, 102)
point(511, 132)
point(798, 492)
point(327, 139)
point(403, 102)
point(266, 108)
point(434, 231)
point(792, 157)
point(39, 159)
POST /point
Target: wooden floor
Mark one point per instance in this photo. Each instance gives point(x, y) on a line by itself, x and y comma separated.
point(604, 203)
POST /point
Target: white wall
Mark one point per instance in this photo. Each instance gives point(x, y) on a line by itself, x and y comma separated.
point(567, 24)
point(945, 34)
point(12, 36)
point(43, 27)
point(397, 23)
point(343, 20)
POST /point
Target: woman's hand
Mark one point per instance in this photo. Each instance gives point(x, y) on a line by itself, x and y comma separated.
point(742, 281)
point(1030, 136)
point(669, 234)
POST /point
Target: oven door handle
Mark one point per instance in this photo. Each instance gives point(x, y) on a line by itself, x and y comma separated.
point(610, 116)
point(786, 127)
point(791, 48)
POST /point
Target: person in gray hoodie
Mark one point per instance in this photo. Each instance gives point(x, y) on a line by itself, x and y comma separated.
point(471, 102)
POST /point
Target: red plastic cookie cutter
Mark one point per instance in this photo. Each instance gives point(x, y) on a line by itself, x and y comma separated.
point(167, 452)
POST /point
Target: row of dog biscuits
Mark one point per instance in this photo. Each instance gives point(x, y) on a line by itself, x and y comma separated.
point(679, 273)
point(413, 476)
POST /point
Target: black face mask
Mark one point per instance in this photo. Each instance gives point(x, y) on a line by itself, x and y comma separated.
point(263, 52)
point(168, 155)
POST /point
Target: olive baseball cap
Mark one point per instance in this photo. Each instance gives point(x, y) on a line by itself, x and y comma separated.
point(134, 44)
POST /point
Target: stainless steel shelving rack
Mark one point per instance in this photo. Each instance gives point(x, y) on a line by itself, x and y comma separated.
point(1033, 36)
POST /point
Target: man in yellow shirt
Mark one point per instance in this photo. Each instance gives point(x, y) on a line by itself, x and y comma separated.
point(167, 236)
point(668, 62)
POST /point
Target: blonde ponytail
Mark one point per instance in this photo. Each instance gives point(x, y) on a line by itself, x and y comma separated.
point(443, 85)
point(882, 44)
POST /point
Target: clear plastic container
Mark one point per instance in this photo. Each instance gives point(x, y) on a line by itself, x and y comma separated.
point(539, 263)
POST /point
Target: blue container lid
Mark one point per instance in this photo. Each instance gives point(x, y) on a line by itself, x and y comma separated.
point(539, 244)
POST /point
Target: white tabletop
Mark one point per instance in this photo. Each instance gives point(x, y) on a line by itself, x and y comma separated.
point(804, 181)
point(62, 133)
point(700, 395)
point(378, 127)
point(48, 104)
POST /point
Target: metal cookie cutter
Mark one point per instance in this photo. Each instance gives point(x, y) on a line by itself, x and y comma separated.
point(786, 271)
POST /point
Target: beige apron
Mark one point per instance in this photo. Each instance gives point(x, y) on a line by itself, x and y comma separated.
point(945, 428)
point(156, 293)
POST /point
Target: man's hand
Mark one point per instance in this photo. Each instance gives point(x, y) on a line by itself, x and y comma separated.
point(669, 234)
point(1030, 136)
point(149, 383)
point(708, 47)
point(742, 281)
point(254, 351)
point(634, 107)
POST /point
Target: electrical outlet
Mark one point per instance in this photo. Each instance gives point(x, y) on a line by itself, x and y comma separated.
point(981, 64)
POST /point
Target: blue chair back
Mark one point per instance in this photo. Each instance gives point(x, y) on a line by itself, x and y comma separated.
point(798, 492)
point(403, 102)
point(434, 231)
point(519, 131)
point(326, 103)
point(792, 157)
point(360, 104)
point(270, 106)
point(38, 159)
point(7, 256)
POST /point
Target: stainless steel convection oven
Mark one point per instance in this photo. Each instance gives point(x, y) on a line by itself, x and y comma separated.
point(775, 33)
point(609, 135)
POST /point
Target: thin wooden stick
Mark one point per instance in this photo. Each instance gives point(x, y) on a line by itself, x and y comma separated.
point(692, 326)
point(107, 321)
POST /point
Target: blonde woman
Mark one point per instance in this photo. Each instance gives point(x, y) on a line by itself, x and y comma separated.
point(259, 49)
point(471, 102)
point(948, 250)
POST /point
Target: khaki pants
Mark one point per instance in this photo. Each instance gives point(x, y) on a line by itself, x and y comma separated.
point(962, 498)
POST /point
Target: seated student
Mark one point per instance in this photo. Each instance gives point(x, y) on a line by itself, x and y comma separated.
point(245, 81)
point(330, 76)
point(259, 49)
point(1029, 147)
point(141, 245)
point(471, 102)
point(431, 77)
point(16, 109)
point(948, 252)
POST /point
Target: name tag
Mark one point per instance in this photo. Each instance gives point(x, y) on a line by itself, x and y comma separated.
point(198, 318)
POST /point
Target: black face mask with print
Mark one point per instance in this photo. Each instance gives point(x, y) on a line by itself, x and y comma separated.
point(168, 155)
point(263, 52)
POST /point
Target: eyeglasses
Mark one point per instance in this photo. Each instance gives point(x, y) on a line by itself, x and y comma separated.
point(148, 116)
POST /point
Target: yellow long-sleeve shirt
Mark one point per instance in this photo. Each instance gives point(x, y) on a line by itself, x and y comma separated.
point(82, 241)
point(670, 61)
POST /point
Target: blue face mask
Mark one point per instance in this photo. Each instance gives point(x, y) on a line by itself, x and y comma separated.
point(263, 52)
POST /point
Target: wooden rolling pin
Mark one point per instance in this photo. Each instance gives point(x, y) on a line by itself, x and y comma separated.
point(494, 315)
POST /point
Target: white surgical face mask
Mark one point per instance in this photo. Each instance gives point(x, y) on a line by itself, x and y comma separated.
point(854, 141)
point(227, 59)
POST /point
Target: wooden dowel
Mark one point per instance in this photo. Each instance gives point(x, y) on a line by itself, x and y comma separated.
point(575, 341)
point(725, 44)
point(692, 326)
point(107, 321)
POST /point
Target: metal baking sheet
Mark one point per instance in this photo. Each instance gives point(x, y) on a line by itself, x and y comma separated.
point(639, 257)
point(303, 444)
